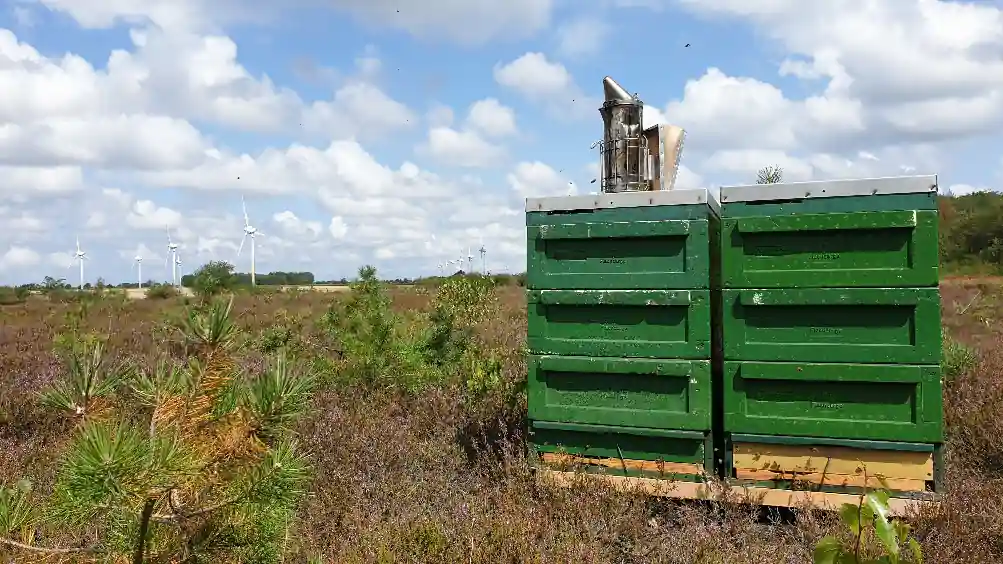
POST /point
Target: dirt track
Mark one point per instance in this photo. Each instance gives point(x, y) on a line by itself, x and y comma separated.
point(139, 294)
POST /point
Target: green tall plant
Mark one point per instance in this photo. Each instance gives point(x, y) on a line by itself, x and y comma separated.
point(192, 462)
point(870, 516)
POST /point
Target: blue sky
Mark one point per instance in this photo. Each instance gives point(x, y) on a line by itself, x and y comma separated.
point(374, 133)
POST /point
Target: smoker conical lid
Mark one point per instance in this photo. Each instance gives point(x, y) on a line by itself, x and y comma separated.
point(614, 92)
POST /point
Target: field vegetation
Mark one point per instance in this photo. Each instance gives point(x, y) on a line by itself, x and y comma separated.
point(387, 424)
point(380, 424)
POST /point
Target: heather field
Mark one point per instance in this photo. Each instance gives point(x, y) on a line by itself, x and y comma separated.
point(407, 410)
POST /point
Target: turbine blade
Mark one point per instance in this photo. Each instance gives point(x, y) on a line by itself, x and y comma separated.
point(241, 247)
point(247, 221)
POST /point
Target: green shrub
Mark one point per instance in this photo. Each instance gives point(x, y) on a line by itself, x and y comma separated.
point(957, 359)
point(382, 349)
point(161, 292)
point(10, 296)
point(196, 461)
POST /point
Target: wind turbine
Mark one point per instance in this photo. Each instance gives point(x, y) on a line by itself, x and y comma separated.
point(79, 256)
point(139, 271)
point(470, 261)
point(172, 257)
point(177, 263)
point(248, 232)
point(484, 263)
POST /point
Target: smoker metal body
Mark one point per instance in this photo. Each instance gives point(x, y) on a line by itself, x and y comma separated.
point(633, 158)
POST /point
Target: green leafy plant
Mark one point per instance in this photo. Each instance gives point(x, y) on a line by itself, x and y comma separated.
point(88, 380)
point(870, 517)
point(485, 375)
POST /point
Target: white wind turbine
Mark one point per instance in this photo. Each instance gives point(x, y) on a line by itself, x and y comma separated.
point(172, 258)
point(80, 257)
point(251, 232)
point(483, 252)
point(177, 263)
point(470, 261)
point(139, 270)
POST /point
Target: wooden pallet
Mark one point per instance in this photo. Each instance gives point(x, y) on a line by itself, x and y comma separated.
point(701, 491)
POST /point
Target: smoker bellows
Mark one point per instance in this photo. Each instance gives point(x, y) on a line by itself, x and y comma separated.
point(633, 158)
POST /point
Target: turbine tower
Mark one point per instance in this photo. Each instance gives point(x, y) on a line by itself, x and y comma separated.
point(139, 271)
point(483, 252)
point(251, 232)
point(79, 256)
point(177, 263)
point(172, 258)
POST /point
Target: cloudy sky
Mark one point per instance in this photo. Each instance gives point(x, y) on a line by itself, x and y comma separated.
point(381, 132)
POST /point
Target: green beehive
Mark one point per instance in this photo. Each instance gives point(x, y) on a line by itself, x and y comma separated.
point(619, 331)
point(620, 323)
point(878, 232)
point(831, 337)
point(654, 393)
point(624, 241)
point(870, 325)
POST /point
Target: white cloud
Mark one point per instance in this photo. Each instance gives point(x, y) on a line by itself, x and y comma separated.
point(20, 182)
point(533, 75)
point(965, 189)
point(293, 226)
point(337, 228)
point(490, 117)
point(145, 214)
point(97, 14)
point(135, 113)
point(868, 58)
point(461, 148)
point(536, 180)
point(19, 257)
point(546, 82)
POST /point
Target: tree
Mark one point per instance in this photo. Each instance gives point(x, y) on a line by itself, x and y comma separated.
point(192, 462)
point(212, 278)
point(770, 175)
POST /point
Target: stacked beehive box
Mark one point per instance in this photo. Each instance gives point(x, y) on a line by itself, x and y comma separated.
point(619, 332)
point(831, 335)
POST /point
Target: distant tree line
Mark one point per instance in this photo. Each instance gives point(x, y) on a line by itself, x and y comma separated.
point(276, 278)
point(971, 233)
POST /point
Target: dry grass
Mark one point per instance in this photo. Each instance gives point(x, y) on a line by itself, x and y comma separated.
point(437, 479)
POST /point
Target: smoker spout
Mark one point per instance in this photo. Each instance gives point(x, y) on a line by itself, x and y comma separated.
point(614, 92)
point(624, 149)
